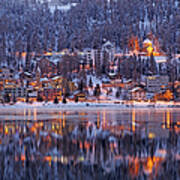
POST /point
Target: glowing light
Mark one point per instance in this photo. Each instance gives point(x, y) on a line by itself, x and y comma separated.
point(151, 135)
point(23, 158)
point(87, 145)
point(6, 130)
point(149, 50)
point(133, 120)
point(48, 53)
point(104, 118)
point(24, 114)
point(35, 114)
point(47, 158)
point(98, 120)
point(148, 166)
point(168, 119)
point(64, 120)
point(29, 114)
point(23, 54)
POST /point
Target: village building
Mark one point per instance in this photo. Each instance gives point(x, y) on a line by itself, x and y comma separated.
point(176, 63)
point(157, 84)
point(47, 68)
point(6, 73)
point(137, 94)
point(79, 96)
point(109, 49)
point(88, 57)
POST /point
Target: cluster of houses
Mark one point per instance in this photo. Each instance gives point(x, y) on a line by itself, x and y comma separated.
point(29, 89)
point(44, 80)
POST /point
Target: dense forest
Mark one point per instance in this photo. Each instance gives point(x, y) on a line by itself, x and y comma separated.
point(33, 26)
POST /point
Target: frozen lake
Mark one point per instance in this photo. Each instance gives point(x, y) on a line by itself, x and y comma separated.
point(90, 143)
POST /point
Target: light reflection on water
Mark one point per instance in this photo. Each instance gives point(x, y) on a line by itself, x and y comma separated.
point(90, 144)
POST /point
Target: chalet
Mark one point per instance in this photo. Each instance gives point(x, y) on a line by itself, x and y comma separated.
point(14, 91)
point(32, 94)
point(26, 75)
point(49, 93)
point(176, 62)
point(47, 68)
point(44, 82)
point(157, 84)
point(57, 81)
point(128, 84)
point(109, 48)
point(79, 96)
point(88, 56)
point(6, 73)
point(177, 93)
point(72, 86)
point(137, 93)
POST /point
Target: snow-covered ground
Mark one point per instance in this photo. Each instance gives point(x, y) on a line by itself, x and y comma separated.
point(96, 104)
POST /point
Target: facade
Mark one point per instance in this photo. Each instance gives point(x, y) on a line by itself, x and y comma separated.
point(137, 94)
point(176, 63)
point(15, 91)
point(157, 84)
point(109, 49)
point(89, 56)
point(6, 73)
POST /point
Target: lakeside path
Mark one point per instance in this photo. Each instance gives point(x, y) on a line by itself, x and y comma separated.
point(109, 104)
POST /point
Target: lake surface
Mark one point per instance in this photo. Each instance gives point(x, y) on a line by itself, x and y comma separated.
point(94, 143)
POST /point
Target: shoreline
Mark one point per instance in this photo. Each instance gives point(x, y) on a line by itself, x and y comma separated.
point(73, 105)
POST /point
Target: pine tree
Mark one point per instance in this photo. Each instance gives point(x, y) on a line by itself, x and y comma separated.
point(97, 91)
point(81, 86)
point(39, 98)
point(64, 100)
point(153, 67)
point(76, 99)
point(117, 94)
point(7, 98)
point(14, 99)
point(56, 101)
point(90, 82)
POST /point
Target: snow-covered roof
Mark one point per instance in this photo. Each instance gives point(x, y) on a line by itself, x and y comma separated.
point(105, 79)
point(33, 94)
point(108, 43)
point(44, 79)
point(112, 73)
point(27, 73)
point(55, 59)
point(135, 89)
point(127, 81)
point(147, 41)
point(63, 8)
point(16, 76)
point(56, 77)
point(158, 59)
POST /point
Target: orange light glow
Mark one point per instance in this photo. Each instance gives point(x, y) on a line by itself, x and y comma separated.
point(168, 119)
point(48, 53)
point(23, 54)
point(98, 120)
point(104, 119)
point(150, 46)
point(47, 158)
point(151, 135)
point(133, 120)
point(64, 120)
point(23, 158)
point(148, 167)
point(87, 145)
point(149, 50)
point(80, 145)
point(35, 114)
